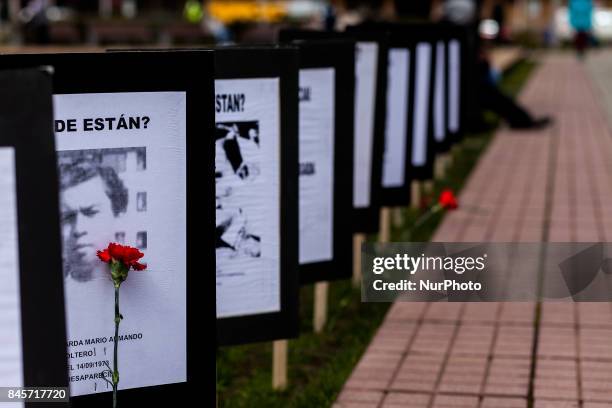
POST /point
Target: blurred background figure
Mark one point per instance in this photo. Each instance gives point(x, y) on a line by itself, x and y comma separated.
point(460, 12)
point(35, 21)
point(581, 20)
point(193, 11)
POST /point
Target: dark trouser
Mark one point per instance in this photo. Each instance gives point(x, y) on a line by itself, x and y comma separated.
point(581, 41)
point(493, 99)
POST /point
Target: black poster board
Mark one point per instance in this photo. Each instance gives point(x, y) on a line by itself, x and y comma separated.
point(422, 145)
point(442, 138)
point(31, 248)
point(396, 174)
point(458, 54)
point(369, 117)
point(189, 75)
point(256, 99)
point(326, 202)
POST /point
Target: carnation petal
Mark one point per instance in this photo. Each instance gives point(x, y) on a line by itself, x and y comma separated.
point(116, 251)
point(104, 256)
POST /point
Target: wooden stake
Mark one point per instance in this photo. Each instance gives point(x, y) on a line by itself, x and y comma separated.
point(398, 217)
point(455, 150)
point(320, 306)
point(279, 365)
point(385, 229)
point(358, 239)
point(439, 167)
point(448, 159)
point(415, 194)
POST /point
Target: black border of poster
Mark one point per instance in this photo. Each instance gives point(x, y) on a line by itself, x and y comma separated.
point(271, 62)
point(339, 55)
point(365, 219)
point(191, 72)
point(27, 126)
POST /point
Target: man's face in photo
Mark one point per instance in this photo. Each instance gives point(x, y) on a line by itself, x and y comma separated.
point(87, 217)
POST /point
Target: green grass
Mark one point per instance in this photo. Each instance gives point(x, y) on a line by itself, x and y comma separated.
point(319, 364)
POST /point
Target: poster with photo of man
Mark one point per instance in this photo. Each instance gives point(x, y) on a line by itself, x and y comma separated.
point(122, 171)
point(130, 127)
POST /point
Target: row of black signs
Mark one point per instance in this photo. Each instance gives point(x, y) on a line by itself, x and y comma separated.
point(134, 155)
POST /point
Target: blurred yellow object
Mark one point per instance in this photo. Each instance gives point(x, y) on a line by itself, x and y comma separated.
point(247, 11)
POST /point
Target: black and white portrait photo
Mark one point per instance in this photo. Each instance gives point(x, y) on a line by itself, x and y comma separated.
point(235, 144)
point(98, 188)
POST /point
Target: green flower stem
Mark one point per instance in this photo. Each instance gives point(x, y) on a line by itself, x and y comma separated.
point(115, 364)
point(423, 218)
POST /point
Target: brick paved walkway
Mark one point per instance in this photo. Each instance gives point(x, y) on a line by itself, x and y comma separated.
point(551, 185)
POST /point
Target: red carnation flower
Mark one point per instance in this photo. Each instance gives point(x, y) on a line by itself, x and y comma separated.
point(448, 200)
point(121, 258)
point(127, 255)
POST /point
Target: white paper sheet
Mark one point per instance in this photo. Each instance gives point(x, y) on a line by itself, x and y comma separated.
point(440, 91)
point(366, 72)
point(127, 186)
point(11, 355)
point(454, 84)
point(248, 196)
point(317, 87)
point(421, 104)
point(394, 160)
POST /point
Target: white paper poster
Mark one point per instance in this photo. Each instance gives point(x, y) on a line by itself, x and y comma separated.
point(11, 355)
point(394, 160)
point(454, 84)
point(366, 73)
point(316, 127)
point(439, 92)
point(421, 104)
point(247, 157)
point(122, 166)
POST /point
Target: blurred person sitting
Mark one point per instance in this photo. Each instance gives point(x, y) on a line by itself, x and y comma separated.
point(487, 96)
point(491, 98)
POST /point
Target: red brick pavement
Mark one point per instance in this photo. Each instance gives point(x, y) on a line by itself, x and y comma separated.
point(550, 185)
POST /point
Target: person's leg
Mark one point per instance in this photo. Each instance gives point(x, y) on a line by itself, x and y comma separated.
point(495, 100)
point(581, 43)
